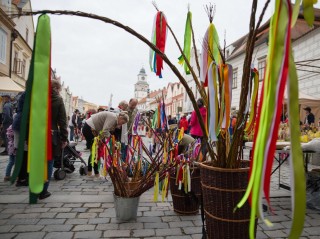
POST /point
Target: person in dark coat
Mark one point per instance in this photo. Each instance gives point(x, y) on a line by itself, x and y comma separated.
point(6, 120)
point(59, 132)
point(309, 116)
point(23, 173)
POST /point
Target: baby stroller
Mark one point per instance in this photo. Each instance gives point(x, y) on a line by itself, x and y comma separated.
point(66, 164)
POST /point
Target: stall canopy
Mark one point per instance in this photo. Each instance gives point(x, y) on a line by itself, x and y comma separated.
point(8, 85)
point(307, 100)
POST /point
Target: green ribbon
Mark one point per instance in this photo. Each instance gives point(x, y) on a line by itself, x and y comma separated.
point(187, 43)
point(299, 190)
point(38, 132)
point(308, 11)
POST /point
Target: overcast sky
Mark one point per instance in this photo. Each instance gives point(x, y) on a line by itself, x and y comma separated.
point(96, 59)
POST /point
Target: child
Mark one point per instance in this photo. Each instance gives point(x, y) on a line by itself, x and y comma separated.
point(11, 153)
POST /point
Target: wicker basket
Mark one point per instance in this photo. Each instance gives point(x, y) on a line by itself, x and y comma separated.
point(222, 189)
point(186, 203)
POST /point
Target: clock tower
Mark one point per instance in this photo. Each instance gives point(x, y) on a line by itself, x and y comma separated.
point(141, 88)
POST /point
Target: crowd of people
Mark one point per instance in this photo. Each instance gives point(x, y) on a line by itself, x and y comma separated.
point(88, 125)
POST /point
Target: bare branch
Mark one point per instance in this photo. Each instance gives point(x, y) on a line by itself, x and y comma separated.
point(211, 11)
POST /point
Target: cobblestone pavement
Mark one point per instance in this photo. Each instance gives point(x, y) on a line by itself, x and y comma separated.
point(82, 208)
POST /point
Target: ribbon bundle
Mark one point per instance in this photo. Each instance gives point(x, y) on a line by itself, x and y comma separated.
point(158, 38)
point(187, 43)
point(280, 67)
point(210, 52)
point(219, 83)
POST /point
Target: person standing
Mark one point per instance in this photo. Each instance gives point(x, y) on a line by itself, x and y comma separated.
point(309, 117)
point(184, 124)
point(6, 121)
point(196, 131)
point(101, 124)
point(59, 132)
point(73, 123)
point(132, 111)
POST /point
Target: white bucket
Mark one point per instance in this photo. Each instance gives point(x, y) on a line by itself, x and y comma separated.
point(126, 208)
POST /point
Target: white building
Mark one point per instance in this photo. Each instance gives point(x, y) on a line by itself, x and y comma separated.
point(306, 50)
point(17, 36)
point(141, 88)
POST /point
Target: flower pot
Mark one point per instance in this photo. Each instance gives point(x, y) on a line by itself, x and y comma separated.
point(126, 208)
point(222, 189)
point(186, 203)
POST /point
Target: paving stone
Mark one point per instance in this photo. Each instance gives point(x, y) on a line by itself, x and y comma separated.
point(13, 210)
point(179, 237)
point(192, 230)
point(99, 220)
point(153, 213)
point(56, 235)
point(26, 215)
point(72, 205)
point(280, 218)
point(95, 205)
point(142, 209)
point(88, 234)
point(48, 215)
point(107, 205)
point(144, 233)
point(276, 226)
point(5, 215)
point(27, 228)
point(8, 235)
point(171, 219)
point(109, 226)
point(66, 215)
point(261, 235)
point(181, 224)
point(135, 225)
point(22, 221)
point(197, 236)
point(5, 228)
point(77, 221)
point(57, 228)
point(171, 232)
point(95, 210)
point(51, 221)
point(87, 215)
point(276, 233)
point(55, 205)
point(84, 228)
point(31, 235)
point(313, 231)
point(116, 233)
point(190, 218)
point(79, 209)
point(149, 219)
point(35, 210)
point(61, 209)
point(156, 225)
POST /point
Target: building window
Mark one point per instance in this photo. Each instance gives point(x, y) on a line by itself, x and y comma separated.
point(27, 34)
point(15, 62)
point(23, 70)
point(261, 67)
point(235, 78)
point(3, 46)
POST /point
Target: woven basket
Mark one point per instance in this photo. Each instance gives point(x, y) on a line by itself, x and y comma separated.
point(186, 203)
point(222, 189)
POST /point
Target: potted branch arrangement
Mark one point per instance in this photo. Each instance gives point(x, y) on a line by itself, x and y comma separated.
point(219, 192)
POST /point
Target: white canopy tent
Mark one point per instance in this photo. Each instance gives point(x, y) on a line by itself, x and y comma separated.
point(307, 100)
point(7, 85)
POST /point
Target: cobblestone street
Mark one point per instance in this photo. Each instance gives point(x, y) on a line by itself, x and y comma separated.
point(83, 208)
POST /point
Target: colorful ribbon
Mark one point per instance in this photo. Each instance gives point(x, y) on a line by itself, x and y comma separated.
point(158, 38)
point(187, 44)
point(39, 142)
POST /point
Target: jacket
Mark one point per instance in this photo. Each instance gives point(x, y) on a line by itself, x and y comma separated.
point(183, 124)
point(103, 122)
point(58, 123)
point(194, 122)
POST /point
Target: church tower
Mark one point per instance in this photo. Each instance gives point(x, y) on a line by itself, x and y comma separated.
point(141, 88)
